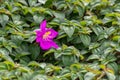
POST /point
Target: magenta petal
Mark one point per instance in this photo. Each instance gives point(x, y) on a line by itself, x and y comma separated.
point(39, 35)
point(43, 25)
point(38, 39)
point(53, 33)
point(38, 32)
point(45, 45)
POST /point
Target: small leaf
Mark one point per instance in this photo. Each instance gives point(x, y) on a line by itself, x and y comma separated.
point(97, 29)
point(3, 20)
point(93, 56)
point(23, 2)
point(116, 38)
point(69, 30)
point(89, 76)
point(93, 46)
point(38, 18)
point(110, 76)
point(34, 64)
point(59, 15)
point(68, 59)
point(85, 39)
point(34, 50)
point(32, 2)
point(80, 10)
point(42, 1)
point(49, 52)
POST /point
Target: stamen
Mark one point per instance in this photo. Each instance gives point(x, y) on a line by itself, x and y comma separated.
point(46, 35)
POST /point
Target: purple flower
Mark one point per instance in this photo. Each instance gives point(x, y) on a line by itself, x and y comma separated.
point(45, 36)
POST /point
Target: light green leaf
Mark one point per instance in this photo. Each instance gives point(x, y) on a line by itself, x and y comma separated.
point(38, 18)
point(59, 15)
point(93, 56)
point(89, 76)
point(85, 39)
point(69, 30)
point(32, 2)
point(110, 76)
point(42, 1)
point(4, 20)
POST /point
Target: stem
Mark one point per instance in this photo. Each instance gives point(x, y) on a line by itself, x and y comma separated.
point(103, 73)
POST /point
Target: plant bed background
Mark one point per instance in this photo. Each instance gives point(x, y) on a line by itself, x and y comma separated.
point(88, 39)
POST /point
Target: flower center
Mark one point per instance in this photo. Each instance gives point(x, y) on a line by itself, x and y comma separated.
point(46, 34)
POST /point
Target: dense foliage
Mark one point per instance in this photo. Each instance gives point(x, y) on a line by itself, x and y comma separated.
point(89, 40)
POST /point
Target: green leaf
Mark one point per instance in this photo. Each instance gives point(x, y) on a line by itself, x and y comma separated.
point(23, 2)
point(110, 31)
point(116, 38)
point(42, 1)
point(31, 39)
point(59, 15)
point(4, 54)
point(39, 77)
point(85, 39)
point(32, 2)
point(68, 59)
point(4, 20)
point(93, 45)
point(38, 18)
point(74, 76)
point(89, 76)
point(110, 76)
point(93, 56)
point(24, 69)
point(16, 17)
point(80, 10)
point(34, 64)
point(35, 51)
point(49, 52)
point(57, 53)
point(113, 66)
point(75, 67)
point(16, 39)
point(97, 29)
point(22, 54)
point(69, 30)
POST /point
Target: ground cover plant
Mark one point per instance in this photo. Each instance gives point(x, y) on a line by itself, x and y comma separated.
point(87, 40)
